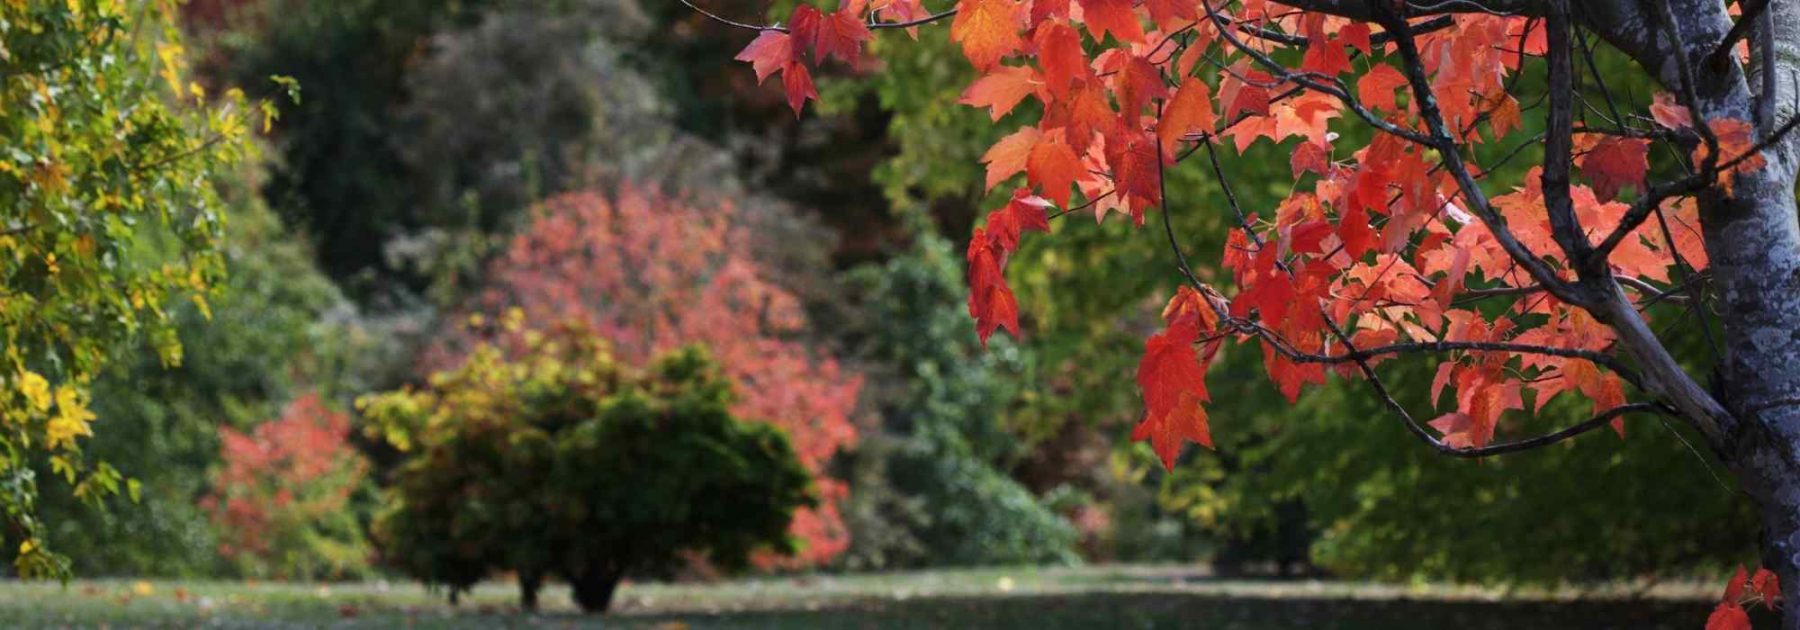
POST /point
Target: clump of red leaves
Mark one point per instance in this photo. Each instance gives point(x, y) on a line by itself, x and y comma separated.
point(651, 273)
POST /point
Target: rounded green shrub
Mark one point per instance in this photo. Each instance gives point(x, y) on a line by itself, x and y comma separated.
point(553, 460)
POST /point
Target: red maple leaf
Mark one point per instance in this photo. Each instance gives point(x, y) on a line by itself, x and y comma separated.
point(1728, 616)
point(798, 83)
point(991, 301)
point(1768, 586)
point(839, 34)
point(1668, 113)
point(1174, 386)
point(1060, 55)
point(1612, 162)
point(770, 52)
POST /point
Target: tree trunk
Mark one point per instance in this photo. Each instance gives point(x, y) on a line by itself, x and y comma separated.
point(529, 583)
point(1753, 241)
point(594, 589)
point(1753, 246)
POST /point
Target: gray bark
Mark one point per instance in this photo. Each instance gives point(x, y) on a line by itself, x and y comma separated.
point(1751, 414)
point(1753, 242)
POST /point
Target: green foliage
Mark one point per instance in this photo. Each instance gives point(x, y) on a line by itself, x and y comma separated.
point(381, 165)
point(564, 462)
point(558, 108)
point(264, 342)
point(341, 170)
point(932, 490)
point(1598, 507)
point(105, 150)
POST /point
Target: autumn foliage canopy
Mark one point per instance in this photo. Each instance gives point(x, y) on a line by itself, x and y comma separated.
point(1373, 253)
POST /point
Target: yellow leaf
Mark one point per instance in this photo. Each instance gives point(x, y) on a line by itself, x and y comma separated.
point(71, 420)
point(36, 390)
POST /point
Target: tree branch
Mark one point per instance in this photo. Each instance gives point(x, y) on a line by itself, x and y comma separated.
point(1418, 430)
point(873, 26)
point(1559, 146)
point(1414, 69)
point(1751, 14)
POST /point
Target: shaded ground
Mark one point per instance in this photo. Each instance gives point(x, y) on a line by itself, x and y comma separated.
point(1114, 597)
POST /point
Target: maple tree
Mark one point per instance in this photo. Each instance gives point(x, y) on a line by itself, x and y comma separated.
point(1394, 240)
point(651, 273)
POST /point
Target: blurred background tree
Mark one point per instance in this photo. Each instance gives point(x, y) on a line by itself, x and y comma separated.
point(553, 459)
point(931, 484)
point(106, 150)
point(650, 273)
point(282, 494)
point(266, 341)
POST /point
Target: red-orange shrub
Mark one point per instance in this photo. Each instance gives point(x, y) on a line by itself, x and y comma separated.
point(281, 495)
point(651, 273)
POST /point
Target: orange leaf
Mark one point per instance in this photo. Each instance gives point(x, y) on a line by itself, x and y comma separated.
point(1376, 88)
point(987, 30)
point(1053, 167)
point(1190, 111)
point(1736, 140)
point(1008, 156)
point(1001, 89)
point(1112, 16)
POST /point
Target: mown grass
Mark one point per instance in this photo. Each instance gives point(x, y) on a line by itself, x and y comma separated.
point(1114, 597)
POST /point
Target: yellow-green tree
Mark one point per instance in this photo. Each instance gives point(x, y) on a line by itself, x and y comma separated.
point(106, 151)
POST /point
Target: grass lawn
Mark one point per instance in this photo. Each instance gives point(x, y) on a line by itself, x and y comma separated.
point(1114, 597)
